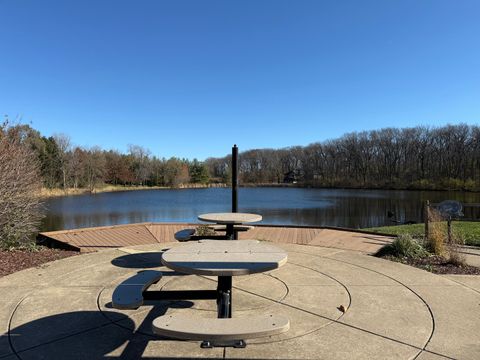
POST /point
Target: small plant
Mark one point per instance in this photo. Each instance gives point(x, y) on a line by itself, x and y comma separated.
point(455, 257)
point(204, 230)
point(404, 246)
point(428, 267)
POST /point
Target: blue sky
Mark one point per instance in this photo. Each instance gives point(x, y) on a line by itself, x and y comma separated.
point(191, 78)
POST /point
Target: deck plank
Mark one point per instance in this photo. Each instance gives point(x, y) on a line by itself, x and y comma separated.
point(94, 239)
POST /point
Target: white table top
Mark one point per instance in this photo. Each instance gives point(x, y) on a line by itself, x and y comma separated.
point(224, 257)
point(230, 218)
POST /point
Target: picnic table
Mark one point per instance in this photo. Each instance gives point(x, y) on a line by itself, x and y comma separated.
point(221, 258)
point(231, 220)
point(224, 259)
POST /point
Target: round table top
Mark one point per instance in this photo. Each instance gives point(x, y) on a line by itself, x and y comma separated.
point(224, 257)
point(230, 218)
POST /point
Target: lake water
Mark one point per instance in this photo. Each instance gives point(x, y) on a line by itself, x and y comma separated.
point(293, 206)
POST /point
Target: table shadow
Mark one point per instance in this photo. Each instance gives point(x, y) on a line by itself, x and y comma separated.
point(88, 335)
point(139, 261)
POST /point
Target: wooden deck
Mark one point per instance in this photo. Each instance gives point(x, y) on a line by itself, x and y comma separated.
point(94, 239)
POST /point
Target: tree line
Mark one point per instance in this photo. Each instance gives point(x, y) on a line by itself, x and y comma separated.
point(62, 165)
point(445, 157)
point(418, 158)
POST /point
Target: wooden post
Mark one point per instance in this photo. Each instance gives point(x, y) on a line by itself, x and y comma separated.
point(426, 218)
point(449, 229)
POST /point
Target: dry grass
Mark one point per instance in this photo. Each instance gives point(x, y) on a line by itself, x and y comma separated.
point(437, 233)
point(47, 193)
point(439, 242)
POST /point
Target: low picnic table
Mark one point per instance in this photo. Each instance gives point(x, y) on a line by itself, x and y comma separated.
point(230, 220)
point(223, 258)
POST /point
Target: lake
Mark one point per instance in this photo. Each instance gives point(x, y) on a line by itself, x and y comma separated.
point(292, 206)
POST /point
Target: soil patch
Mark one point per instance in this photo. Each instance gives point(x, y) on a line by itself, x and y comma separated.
point(16, 260)
point(436, 264)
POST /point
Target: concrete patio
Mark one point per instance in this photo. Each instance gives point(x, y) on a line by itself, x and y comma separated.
point(63, 309)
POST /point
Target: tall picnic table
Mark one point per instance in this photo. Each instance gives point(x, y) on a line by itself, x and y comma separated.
point(230, 220)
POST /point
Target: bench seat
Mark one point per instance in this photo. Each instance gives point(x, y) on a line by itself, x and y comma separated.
point(129, 294)
point(235, 227)
point(211, 329)
point(184, 235)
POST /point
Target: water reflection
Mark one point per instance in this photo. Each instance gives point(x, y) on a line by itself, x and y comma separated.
point(321, 207)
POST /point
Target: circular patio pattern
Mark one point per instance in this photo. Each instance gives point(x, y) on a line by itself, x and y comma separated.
point(340, 304)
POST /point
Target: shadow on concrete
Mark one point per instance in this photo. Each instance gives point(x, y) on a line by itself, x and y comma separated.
point(376, 239)
point(144, 261)
point(139, 261)
point(88, 335)
point(81, 334)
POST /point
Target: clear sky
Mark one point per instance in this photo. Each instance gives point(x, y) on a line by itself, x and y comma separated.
point(191, 78)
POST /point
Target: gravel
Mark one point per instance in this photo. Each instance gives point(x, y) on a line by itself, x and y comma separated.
point(16, 260)
point(437, 264)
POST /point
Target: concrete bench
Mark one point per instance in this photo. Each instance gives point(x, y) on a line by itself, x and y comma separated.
point(129, 294)
point(235, 227)
point(215, 329)
point(184, 235)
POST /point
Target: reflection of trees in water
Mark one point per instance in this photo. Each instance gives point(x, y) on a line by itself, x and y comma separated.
point(320, 207)
point(348, 212)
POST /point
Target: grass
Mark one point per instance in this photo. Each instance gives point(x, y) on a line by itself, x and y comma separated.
point(467, 230)
point(47, 193)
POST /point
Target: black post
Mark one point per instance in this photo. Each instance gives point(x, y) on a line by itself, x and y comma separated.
point(224, 297)
point(234, 178)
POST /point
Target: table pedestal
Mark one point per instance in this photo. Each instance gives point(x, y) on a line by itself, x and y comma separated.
point(231, 233)
point(224, 299)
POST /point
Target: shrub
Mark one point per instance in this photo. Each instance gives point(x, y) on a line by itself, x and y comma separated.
point(404, 246)
point(423, 184)
point(455, 257)
point(20, 213)
point(452, 184)
point(471, 185)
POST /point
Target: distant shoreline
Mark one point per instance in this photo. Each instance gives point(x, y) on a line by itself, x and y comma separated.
point(45, 193)
point(310, 186)
point(51, 193)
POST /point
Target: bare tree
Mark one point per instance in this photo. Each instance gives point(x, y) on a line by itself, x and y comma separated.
point(64, 144)
point(141, 162)
point(93, 165)
point(20, 213)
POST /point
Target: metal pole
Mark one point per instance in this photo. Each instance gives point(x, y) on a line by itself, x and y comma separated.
point(234, 179)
